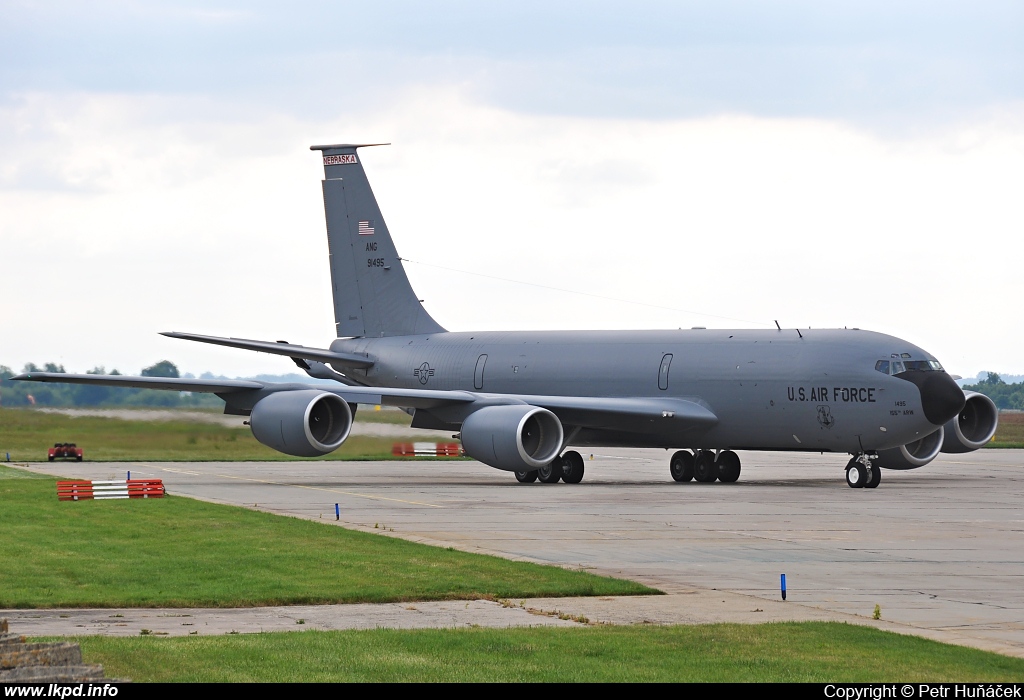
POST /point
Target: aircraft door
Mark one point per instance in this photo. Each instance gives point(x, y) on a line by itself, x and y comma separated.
point(478, 374)
point(666, 362)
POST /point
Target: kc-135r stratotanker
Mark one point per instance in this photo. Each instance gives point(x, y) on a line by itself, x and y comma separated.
point(519, 399)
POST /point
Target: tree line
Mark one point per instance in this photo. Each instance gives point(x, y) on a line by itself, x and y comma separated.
point(20, 394)
point(1006, 396)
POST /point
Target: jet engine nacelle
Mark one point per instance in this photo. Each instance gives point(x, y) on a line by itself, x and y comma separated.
point(514, 438)
point(973, 426)
point(913, 454)
point(306, 423)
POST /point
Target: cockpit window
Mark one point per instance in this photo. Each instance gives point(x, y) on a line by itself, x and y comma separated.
point(897, 366)
point(924, 365)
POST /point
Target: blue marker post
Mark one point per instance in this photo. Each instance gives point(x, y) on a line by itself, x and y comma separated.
point(129, 476)
point(8, 456)
point(783, 586)
point(337, 512)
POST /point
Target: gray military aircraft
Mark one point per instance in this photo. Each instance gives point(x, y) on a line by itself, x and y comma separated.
point(519, 399)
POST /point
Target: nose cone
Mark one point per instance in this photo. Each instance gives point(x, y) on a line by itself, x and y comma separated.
point(941, 398)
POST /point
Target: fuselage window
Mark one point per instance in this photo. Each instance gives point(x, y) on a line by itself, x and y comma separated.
point(897, 367)
point(882, 366)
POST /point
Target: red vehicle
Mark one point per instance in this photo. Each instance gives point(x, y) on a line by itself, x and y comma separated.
point(65, 450)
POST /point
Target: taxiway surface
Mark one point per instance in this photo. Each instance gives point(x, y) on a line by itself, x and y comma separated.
point(940, 549)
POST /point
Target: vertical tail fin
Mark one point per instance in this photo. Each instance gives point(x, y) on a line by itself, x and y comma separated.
point(372, 294)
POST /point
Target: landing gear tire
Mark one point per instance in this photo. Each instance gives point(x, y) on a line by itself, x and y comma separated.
point(856, 475)
point(681, 466)
point(551, 473)
point(526, 477)
point(728, 467)
point(874, 478)
point(704, 468)
point(572, 467)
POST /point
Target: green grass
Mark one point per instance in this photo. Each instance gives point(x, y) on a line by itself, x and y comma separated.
point(778, 652)
point(27, 434)
point(176, 551)
point(384, 414)
point(1010, 433)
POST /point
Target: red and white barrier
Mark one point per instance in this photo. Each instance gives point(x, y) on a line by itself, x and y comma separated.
point(104, 490)
point(427, 449)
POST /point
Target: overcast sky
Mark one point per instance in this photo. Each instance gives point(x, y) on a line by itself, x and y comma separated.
point(670, 164)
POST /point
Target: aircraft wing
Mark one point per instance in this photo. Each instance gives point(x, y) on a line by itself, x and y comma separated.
point(406, 398)
point(586, 411)
point(622, 413)
point(279, 348)
point(212, 386)
point(597, 412)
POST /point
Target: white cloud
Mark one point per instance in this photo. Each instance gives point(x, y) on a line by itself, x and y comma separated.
point(122, 216)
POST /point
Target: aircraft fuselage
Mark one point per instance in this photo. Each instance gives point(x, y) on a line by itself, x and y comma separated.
point(816, 390)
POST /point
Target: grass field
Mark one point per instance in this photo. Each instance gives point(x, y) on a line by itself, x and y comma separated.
point(177, 551)
point(27, 434)
point(781, 652)
point(1010, 432)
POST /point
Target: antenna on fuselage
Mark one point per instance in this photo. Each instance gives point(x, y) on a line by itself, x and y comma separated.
point(777, 325)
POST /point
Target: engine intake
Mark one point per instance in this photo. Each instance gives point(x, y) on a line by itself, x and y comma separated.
point(973, 426)
point(306, 423)
point(514, 438)
point(913, 454)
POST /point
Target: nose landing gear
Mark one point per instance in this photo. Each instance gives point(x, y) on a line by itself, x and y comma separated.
point(861, 473)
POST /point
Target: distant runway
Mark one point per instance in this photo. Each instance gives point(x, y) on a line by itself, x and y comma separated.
point(939, 549)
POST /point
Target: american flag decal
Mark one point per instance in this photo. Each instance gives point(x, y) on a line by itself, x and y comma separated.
point(365, 228)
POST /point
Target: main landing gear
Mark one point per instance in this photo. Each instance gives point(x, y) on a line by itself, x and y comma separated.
point(567, 468)
point(862, 474)
point(705, 466)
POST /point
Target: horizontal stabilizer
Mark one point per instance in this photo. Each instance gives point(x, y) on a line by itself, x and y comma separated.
point(328, 356)
point(210, 386)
